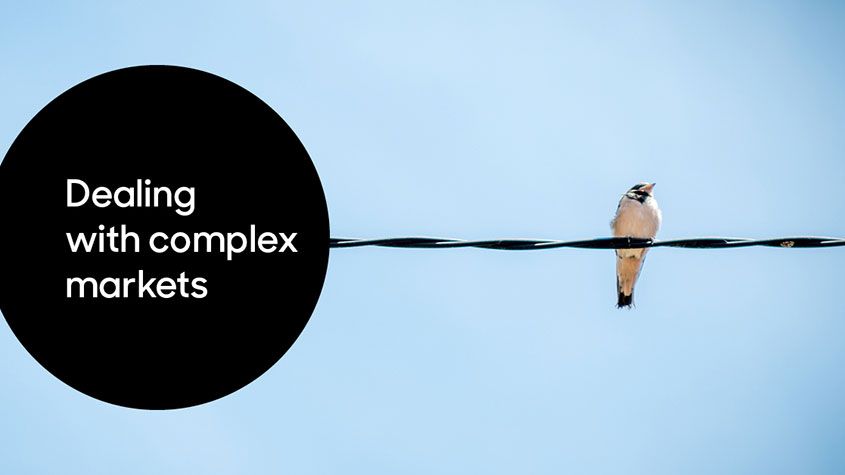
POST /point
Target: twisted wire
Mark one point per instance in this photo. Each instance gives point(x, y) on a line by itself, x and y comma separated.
point(598, 243)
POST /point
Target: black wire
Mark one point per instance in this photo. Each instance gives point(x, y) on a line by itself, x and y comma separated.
point(599, 243)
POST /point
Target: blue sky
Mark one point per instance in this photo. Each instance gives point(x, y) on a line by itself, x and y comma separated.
point(474, 120)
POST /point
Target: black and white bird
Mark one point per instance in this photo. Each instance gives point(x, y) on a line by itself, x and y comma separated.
point(636, 216)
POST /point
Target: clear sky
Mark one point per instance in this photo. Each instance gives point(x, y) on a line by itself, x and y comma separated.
point(478, 120)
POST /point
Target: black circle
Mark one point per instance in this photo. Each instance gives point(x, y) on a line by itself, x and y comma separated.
point(176, 128)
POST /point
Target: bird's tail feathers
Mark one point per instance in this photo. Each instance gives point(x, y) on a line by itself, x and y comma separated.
point(624, 300)
point(627, 271)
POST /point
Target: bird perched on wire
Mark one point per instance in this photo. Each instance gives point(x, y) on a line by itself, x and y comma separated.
point(636, 216)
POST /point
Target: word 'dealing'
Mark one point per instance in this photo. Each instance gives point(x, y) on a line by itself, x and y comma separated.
point(142, 195)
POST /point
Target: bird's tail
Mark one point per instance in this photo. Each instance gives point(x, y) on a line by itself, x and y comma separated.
point(623, 300)
point(628, 265)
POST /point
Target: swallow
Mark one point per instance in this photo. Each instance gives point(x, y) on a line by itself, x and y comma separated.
point(636, 216)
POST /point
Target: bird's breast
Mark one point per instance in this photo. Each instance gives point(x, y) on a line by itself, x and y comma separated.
point(637, 219)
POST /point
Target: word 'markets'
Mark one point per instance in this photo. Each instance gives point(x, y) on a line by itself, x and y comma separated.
point(142, 287)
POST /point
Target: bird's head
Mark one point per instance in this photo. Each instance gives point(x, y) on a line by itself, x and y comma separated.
point(643, 189)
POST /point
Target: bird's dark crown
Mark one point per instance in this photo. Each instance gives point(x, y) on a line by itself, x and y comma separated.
point(640, 191)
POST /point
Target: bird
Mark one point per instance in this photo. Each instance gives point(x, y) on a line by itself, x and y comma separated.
point(639, 216)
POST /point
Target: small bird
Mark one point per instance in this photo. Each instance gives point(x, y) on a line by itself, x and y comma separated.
point(636, 216)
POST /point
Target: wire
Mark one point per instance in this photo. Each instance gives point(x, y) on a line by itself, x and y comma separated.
point(599, 243)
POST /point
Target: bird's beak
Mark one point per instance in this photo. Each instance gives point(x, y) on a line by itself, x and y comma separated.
point(649, 188)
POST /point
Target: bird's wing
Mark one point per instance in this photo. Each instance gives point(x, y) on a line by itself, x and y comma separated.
point(616, 215)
